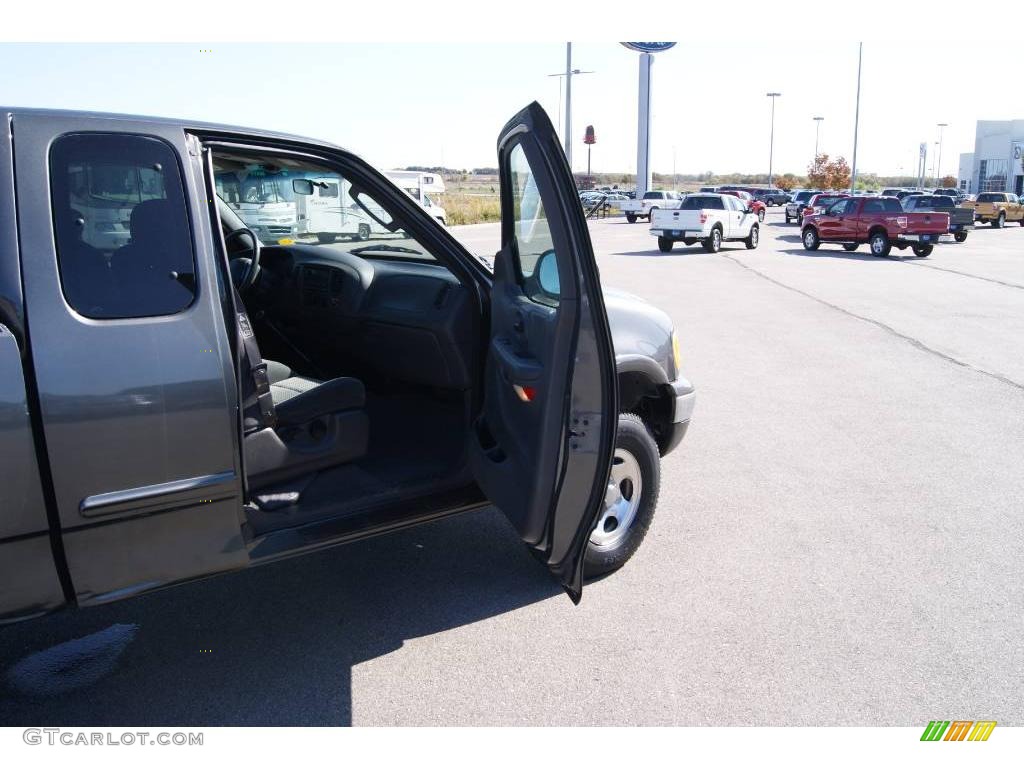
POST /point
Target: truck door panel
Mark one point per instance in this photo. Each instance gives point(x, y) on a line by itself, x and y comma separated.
point(130, 354)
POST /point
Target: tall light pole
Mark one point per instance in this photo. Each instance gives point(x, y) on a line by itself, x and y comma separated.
point(817, 135)
point(560, 75)
point(938, 164)
point(771, 141)
point(856, 119)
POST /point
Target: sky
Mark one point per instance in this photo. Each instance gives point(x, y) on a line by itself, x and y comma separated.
point(443, 104)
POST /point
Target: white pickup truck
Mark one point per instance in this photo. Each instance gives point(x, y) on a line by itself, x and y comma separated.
point(710, 219)
point(652, 201)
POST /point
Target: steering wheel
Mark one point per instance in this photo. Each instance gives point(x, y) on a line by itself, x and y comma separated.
point(244, 269)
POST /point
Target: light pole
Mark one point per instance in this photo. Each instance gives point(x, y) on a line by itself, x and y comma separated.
point(771, 141)
point(938, 164)
point(856, 120)
point(817, 135)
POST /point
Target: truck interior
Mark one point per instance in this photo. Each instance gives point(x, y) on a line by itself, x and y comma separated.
point(370, 349)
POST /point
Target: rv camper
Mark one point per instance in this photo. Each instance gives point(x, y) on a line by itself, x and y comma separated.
point(420, 187)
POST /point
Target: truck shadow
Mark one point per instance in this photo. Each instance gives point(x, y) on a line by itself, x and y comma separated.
point(833, 253)
point(274, 645)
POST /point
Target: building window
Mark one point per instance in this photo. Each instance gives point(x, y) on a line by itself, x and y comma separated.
point(992, 176)
point(124, 247)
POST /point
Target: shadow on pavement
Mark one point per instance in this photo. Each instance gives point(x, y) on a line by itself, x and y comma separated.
point(274, 645)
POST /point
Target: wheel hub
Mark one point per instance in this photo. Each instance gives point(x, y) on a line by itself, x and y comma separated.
point(621, 501)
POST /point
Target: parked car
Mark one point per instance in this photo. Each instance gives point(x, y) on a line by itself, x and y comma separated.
point(757, 206)
point(771, 196)
point(956, 194)
point(798, 201)
point(651, 201)
point(961, 218)
point(709, 219)
point(892, 192)
point(145, 440)
point(819, 203)
point(879, 221)
point(997, 208)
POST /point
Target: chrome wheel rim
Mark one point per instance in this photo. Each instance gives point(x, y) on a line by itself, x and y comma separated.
point(716, 239)
point(621, 501)
point(877, 244)
point(753, 236)
point(809, 239)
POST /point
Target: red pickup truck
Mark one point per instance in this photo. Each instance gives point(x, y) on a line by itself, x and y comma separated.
point(880, 222)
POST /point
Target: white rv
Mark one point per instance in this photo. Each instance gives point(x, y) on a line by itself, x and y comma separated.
point(264, 201)
point(420, 186)
point(330, 212)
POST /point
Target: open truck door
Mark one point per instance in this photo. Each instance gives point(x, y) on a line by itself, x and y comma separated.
point(542, 446)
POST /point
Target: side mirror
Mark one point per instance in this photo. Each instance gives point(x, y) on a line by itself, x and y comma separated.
point(547, 274)
point(302, 187)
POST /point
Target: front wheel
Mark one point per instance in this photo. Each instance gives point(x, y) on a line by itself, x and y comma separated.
point(922, 250)
point(665, 244)
point(629, 500)
point(880, 245)
point(960, 236)
point(810, 239)
point(631, 218)
point(753, 238)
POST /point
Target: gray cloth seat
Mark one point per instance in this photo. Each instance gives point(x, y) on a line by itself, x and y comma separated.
point(299, 399)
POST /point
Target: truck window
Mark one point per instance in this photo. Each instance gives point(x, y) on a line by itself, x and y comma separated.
point(991, 197)
point(700, 202)
point(652, 196)
point(124, 246)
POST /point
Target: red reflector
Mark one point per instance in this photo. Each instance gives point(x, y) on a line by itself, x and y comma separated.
point(526, 394)
point(529, 392)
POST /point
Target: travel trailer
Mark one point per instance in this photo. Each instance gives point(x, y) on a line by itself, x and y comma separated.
point(420, 186)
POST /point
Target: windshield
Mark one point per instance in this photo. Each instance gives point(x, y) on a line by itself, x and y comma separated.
point(336, 215)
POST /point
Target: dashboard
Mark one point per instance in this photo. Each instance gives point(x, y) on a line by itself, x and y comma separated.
point(351, 315)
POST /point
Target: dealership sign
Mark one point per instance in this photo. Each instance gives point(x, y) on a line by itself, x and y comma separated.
point(649, 47)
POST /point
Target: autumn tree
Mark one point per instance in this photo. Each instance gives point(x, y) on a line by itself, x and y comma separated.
point(948, 181)
point(838, 174)
point(817, 172)
point(786, 181)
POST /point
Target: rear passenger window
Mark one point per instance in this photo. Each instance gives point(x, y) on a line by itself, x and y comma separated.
point(124, 247)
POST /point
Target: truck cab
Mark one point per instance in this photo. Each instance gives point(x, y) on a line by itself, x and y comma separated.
point(192, 399)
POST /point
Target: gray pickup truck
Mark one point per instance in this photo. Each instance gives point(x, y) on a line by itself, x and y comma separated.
point(961, 218)
point(180, 399)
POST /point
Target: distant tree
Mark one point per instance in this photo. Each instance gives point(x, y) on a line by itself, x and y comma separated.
point(786, 181)
point(838, 174)
point(948, 181)
point(817, 172)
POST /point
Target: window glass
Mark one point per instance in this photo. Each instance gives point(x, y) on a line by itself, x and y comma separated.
point(531, 228)
point(124, 247)
point(260, 189)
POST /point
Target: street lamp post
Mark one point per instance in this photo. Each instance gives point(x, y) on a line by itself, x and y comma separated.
point(569, 72)
point(938, 163)
point(817, 135)
point(771, 141)
point(856, 120)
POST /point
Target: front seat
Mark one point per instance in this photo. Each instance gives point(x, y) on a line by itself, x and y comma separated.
point(298, 399)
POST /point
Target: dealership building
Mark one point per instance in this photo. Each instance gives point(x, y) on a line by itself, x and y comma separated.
point(997, 163)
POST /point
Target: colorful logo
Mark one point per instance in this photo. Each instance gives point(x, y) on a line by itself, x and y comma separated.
point(958, 730)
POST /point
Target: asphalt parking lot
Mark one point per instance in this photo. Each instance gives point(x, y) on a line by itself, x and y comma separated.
point(839, 539)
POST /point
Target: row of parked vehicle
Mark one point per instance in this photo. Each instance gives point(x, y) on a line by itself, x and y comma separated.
point(655, 200)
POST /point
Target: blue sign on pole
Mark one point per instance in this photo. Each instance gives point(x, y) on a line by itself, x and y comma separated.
point(649, 47)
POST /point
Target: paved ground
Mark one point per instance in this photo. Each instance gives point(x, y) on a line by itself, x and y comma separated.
point(839, 538)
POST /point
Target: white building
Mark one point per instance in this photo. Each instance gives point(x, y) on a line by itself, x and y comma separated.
point(965, 179)
point(997, 164)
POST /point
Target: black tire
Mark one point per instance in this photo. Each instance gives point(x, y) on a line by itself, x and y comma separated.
point(325, 237)
point(760, 215)
point(1021, 222)
point(961, 236)
point(879, 244)
point(799, 221)
point(631, 218)
point(713, 244)
point(788, 219)
point(634, 442)
point(850, 246)
point(650, 214)
point(922, 250)
point(810, 239)
point(665, 244)
point(753, 238)
point(364, 232)
point(999, 221)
